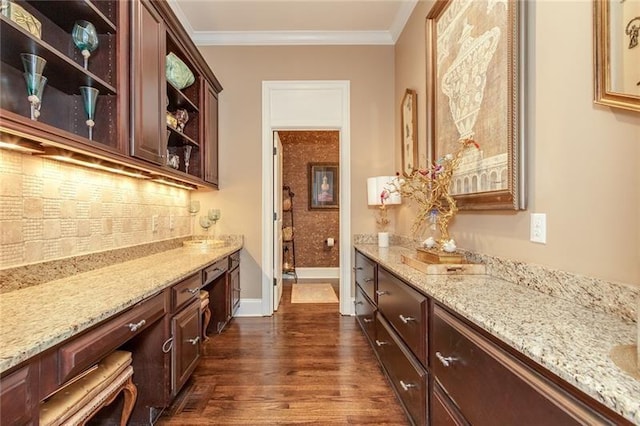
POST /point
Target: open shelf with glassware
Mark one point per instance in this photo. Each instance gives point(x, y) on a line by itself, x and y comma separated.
point(43, 69)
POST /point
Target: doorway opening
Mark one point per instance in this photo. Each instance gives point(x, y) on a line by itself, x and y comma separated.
point(310, 206)
point(296, 106)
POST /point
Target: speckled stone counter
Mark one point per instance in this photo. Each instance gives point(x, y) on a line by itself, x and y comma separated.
point(39, 317)
point(568, 339)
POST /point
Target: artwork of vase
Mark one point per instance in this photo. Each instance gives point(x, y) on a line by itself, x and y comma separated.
point(85, 37)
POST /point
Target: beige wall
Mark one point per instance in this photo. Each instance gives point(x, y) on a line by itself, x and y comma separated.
point(241, 71)
point(582, 160)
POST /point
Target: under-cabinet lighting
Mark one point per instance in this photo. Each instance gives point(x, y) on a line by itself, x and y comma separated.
point(22, 146)
point(172, 183)
point(81, 160)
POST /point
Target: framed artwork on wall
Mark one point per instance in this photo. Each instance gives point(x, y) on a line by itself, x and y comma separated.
point(323, 186)
point(409, 132)
point(475, 79)
point(617, 53)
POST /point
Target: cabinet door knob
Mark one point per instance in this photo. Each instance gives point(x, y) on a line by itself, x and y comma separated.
point(135, 327)
point(192, 290)
point(194, 341)
point(368, 280)
point(367, 320)
point(445, 360)
point(357, 268)
point(407, 386)
point(381, 292)
point(381, 343)
point(357, 302)
point(406, 319)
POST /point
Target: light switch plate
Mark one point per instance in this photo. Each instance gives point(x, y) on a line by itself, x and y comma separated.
point(539, 228)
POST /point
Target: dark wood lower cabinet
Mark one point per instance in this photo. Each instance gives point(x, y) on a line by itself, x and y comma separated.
point(407, 376)
point(185, 329)
point(491, 387)
point(447, 371)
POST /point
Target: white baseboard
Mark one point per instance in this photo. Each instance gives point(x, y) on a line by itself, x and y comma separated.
point(249, 308)
point(318, 273)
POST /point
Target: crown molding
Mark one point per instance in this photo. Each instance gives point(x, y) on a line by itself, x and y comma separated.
point(288, 38)
point(401, 19)
point(283, 38)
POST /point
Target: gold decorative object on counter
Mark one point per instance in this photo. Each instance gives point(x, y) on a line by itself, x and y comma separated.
point(444, 268)
point(429, 188)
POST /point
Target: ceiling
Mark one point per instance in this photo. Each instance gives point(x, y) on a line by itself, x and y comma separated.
point(287, 22)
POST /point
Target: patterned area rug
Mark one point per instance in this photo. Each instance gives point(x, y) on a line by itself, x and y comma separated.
point(313, 293)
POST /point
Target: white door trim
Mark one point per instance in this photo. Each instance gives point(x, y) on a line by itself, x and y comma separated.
point(308, 105)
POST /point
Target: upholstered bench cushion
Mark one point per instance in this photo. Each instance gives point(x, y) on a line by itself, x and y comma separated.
point(67, 401)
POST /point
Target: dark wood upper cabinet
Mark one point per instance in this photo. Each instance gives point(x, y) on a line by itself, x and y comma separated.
point(62, 113)
point(148, 138)
point(210, 132)
point(128, 69)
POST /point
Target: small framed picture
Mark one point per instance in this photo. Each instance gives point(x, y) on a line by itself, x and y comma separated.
point(323, 186)
point(409, 137)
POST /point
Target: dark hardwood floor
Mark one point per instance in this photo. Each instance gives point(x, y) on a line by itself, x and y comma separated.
point(306, 364)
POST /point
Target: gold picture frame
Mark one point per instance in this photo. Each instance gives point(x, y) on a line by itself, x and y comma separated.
point(616, 54)
point(475, 84)
point(409, 131)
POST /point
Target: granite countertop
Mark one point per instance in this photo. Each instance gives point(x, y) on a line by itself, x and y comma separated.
point(567, 339)
point(37, 318)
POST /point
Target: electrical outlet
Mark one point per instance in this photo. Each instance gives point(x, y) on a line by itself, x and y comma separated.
point(539, 228)
point(154, 223)
point(171, 222)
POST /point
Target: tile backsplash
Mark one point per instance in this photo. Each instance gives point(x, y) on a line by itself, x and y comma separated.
point(50, 210)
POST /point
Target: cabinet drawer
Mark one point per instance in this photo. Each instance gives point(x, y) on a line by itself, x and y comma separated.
point(408, 377)
point(212, 272)
point(365, 275)
point(185, 291)
point(406, 311)
point(442, 411)
point(84, 351)
point(365, 313)
point(18, 396)
point(491, 387)
point(234, 260)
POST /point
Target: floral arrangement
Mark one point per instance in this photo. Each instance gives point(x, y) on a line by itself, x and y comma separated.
point(429, 188)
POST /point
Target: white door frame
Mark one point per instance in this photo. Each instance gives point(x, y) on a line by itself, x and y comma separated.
point(306, 105)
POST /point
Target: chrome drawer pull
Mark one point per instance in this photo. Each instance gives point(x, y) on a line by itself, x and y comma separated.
point(407, 386)
point(381, 292)
point(381, 343)
point(135, 327)
point(445, 360)
point(406, 319)
point(194, 341)
point(368, 280)
point(192, 290)
point(367, 320)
